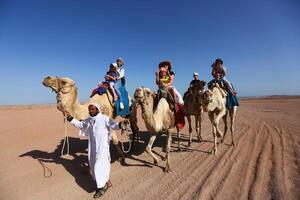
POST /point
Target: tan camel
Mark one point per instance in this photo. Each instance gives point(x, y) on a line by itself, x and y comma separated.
point(160, 119)
point(193, 106)
point(66, 96)
point(214, 102)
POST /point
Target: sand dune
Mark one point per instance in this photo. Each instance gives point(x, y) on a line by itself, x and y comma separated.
point(264, 164)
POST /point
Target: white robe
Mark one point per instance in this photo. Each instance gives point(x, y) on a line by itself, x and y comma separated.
point(97, 129)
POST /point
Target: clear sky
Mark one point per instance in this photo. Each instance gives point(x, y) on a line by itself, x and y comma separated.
point(259, 41)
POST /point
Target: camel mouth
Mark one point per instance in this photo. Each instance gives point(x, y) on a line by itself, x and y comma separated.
point(50, 82)
point(138, 99)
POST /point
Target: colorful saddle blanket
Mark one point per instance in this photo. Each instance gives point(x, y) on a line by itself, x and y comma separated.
point(231, 100)
point(104, 87)
point(101, 89)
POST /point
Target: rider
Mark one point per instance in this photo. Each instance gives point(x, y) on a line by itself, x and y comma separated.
point(219, 73)
point(111, 77)
point(165, 78)
point(121, 70)
point(193, 83)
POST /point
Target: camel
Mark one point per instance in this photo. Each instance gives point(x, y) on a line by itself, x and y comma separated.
point(161, 119)
point(193, 106)
point(214, 102)
point(66, 96)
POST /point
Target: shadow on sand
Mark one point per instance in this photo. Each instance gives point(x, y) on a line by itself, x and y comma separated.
point(77, 163)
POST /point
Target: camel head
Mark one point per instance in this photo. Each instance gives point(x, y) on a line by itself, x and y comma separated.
point(199, 86)
point(58, 84)
point(207, 98)
point(62, 86)
point(141, 94)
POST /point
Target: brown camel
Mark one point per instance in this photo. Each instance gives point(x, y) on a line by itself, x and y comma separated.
point(193, 106)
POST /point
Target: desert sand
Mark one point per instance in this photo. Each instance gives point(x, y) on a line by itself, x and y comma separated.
point(264, 164)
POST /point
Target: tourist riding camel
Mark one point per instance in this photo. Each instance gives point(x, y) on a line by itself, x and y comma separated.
point(219, 73)
point(220, 100)
point(121, 70)
point(195, 82)
point(164, 80)
point(112, 77)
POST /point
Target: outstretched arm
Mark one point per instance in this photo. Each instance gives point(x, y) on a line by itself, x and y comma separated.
point(78, 124)
point(117, 125)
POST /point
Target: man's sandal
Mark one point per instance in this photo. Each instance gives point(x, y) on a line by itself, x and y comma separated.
point(100, 192)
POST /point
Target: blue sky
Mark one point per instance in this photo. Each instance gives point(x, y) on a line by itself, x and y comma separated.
point(259, 42)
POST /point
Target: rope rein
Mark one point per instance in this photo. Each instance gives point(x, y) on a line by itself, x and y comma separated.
point(66, 139)
point(129, 143)
point(45, 168)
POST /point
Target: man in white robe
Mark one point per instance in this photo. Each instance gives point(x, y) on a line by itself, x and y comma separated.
point(97, 129)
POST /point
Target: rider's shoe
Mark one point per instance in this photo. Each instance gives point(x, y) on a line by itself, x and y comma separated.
point(121, 105)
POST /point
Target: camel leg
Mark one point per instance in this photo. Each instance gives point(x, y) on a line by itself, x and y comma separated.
point(225, 126)
point(133, 123)
point(116, 142)
point(149, 148)
point(178, 138)
point(196, 127)
point(216, 123)
point(232, 118)
point(190, 129)
point(200, 126)
point(214, 131)
point(168, 149)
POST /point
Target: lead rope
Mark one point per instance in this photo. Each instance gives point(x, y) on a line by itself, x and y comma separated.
point(66, 139)
point(122, 143)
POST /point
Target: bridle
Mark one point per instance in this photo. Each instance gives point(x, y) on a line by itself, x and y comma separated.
point(141, 101)
point(206, 98)
point(59, 93)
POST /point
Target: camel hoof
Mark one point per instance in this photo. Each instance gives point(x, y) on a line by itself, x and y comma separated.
point(190, 130)
point(167, 170)
point(199, 139)
point(156, 162)
point(121, 159)
point(233, 144)
point(214, 152)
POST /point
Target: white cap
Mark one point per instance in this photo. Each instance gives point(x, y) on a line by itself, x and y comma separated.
point(96, 105)
point(195, 74)
point(114, 64)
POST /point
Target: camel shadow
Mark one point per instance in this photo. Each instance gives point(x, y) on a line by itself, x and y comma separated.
point(143, 139)
point(140, 146)
point(76, 163)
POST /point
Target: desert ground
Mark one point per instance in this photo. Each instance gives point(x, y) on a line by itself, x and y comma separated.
point(264, 163)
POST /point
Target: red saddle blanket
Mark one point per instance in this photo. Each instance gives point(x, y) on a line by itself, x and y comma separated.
point(179, 116)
